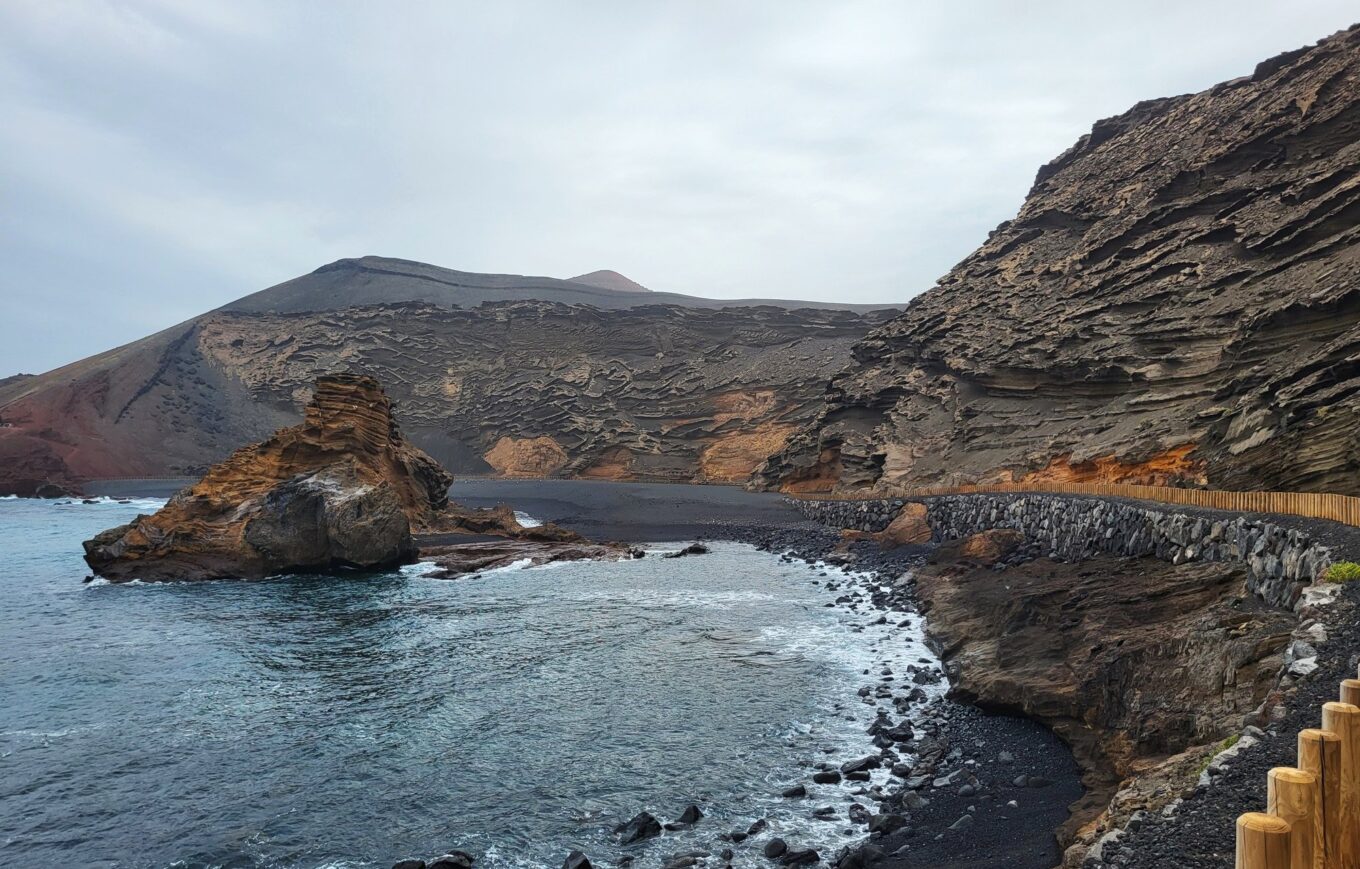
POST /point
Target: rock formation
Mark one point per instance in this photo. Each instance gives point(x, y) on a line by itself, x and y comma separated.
point(462, 559)
point(341, 489)
point(634, 385)
point(1178, 301)
point(1131, 661)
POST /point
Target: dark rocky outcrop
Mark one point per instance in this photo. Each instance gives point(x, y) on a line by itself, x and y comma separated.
point(493, 374)
point(1131, 661)
point(642, 826)
point(461, 559)
point(1177, 302)
point(341, 489)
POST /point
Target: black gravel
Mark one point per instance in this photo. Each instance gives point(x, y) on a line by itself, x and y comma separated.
point(1201, 830)
point(994, 759)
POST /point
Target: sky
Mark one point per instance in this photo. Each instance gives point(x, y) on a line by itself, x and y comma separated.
point(159, 158)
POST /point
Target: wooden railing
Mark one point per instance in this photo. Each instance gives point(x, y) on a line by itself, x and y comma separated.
point(1317, 505)
point(1312, 817)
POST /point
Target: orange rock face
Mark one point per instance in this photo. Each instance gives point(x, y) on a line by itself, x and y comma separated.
point(732, 457)
point(989, 547)
point(908, 528)
point(526, 457)
point(1163, 469)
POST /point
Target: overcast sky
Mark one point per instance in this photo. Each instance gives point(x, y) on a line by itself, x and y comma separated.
point(159, 158)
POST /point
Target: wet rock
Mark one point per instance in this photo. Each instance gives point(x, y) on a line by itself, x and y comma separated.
point(453, 860)
point(868, 762)
point(576, 860)
point(775, 848)
point(409, 864)
point(795, 792)
point(826, 777)
point(802, 857)
point(692, 549)
point(886, 823)
point(642, 826)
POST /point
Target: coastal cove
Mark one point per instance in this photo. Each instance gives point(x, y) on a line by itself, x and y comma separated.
point(286, 722)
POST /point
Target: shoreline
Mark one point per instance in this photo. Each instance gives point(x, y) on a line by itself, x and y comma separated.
point(959, 816)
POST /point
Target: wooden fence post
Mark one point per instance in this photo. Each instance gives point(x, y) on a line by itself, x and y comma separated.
point(1262, 841)
point(1291, 794)
point(1350, 691)
point(1320, 754)
point(1343, 719)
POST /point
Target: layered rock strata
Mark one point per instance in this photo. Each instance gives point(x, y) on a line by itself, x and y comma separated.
point(1177, 302)
point(343, 489)
point(514, 388)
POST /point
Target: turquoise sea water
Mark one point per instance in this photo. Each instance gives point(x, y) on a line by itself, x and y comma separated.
point(351, 721)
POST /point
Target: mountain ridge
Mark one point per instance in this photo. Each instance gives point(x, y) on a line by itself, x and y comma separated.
point(195, 397)
point(1176, 303)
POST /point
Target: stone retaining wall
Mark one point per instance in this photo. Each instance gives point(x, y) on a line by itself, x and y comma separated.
point(1280, 562)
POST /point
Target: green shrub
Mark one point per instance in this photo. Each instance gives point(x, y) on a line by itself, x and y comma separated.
point(1343, 571)
point(1215, 752)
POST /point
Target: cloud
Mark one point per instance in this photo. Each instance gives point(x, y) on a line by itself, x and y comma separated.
point(165, 157)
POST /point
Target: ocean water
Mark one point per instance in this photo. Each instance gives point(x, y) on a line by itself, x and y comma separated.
point(354, 720)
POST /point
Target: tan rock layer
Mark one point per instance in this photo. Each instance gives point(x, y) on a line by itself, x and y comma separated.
point(658, 392)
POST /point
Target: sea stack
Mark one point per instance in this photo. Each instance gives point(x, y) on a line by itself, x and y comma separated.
point(341, 489)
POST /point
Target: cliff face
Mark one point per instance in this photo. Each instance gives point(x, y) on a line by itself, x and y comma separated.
point(521, 388)
point(1130, 661)
point(1178, 300)
point(341, 489)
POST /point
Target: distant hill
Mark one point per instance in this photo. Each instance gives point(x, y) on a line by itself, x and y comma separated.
point(491, 373)
point(375, 280)
point(610, 280)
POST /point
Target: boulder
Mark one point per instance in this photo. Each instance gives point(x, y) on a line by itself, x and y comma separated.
point(642, 826)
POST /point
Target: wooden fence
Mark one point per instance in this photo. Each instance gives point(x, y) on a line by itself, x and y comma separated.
point(1312, 817)
point(1317, 505)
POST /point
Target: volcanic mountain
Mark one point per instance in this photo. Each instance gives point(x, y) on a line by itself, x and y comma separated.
point(522, 376)
point(1177, 302)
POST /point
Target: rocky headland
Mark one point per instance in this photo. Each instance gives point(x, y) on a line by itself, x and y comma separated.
point(342, 489)
point(1177, 302)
